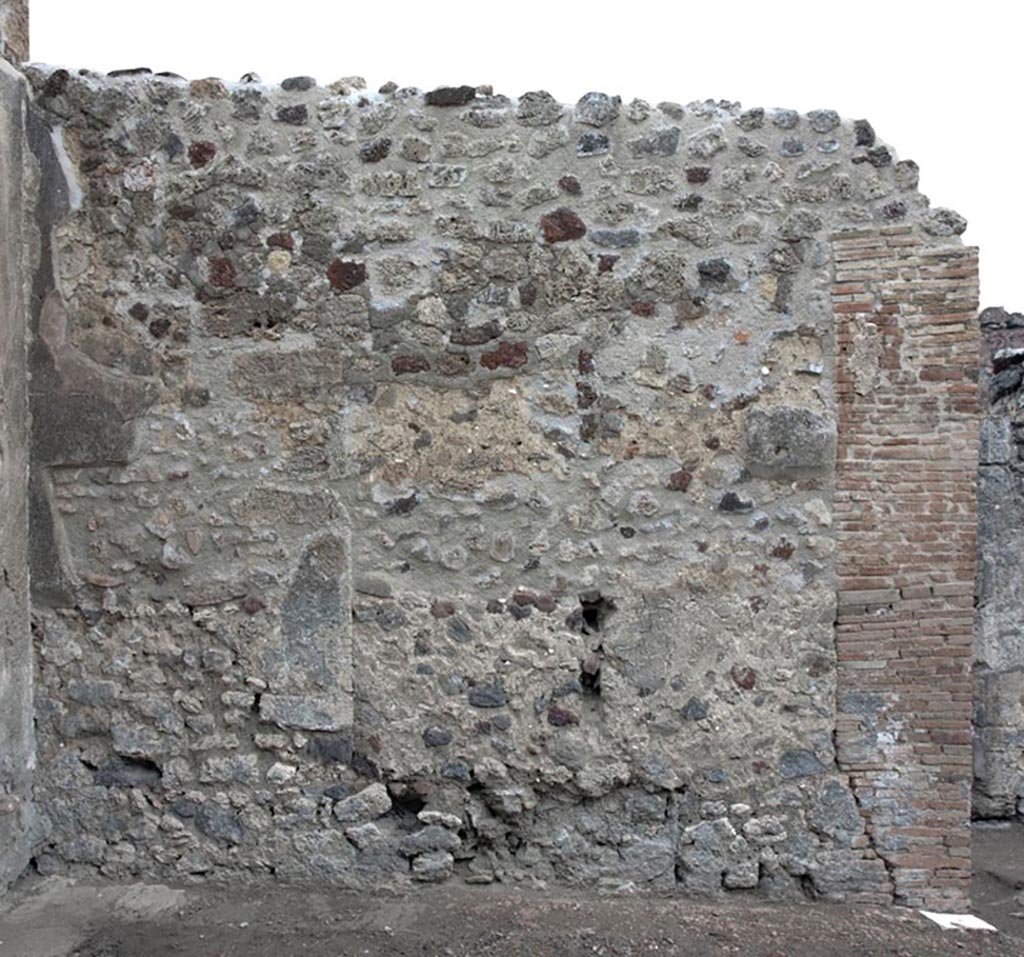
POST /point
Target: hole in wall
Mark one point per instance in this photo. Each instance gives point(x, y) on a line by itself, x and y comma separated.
point(590, 673)
point(594, 612)
point(406, 804)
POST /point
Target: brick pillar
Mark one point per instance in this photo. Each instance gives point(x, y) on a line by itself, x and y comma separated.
point(906, 516)
point(14, 30)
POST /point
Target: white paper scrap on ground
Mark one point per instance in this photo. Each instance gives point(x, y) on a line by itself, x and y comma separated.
point(957, 921)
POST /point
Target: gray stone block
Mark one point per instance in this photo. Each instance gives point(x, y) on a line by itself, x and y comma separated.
point(789, 443)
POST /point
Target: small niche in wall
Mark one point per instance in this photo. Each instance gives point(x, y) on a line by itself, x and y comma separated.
point(591, 617)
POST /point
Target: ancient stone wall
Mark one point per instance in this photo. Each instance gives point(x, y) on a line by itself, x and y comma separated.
point(14, 30)
point(999, 643)
point(17, 751)
point(445, 486)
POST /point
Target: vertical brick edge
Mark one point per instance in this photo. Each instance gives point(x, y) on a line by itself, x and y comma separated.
point(906, 314)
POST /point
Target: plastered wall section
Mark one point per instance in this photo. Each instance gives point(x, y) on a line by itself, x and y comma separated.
point(17, 752)
point(433, 487)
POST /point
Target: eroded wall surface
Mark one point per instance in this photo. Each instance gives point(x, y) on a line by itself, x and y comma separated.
point(999, 646)
point(445, 486)
point(17, 750)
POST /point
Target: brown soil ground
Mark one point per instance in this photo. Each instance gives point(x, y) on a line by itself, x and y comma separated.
point(60, 918)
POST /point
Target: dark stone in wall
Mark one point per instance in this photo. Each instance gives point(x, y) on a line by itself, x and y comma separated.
point(450, 96)
point(293, 115)
point(298, 84)
point(488, 696)
point(798, 763)
point(345, 275)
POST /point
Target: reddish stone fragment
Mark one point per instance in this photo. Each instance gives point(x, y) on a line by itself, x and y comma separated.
point(562, 225)
point(345, 275)
point(698, 175)
point(545, 603)
point(222, 272)
point(201, 152)
point(585, 362)
point(571, 185)
point(209, 87)
point(560, 717)
point(783, 550)
point(442, 609)
point(679, 481)
point(642, 309)
point(606, 263)
point(743, 677)
point(252, 605)
point(281, 241)
point(401, 365)
point(508, 355)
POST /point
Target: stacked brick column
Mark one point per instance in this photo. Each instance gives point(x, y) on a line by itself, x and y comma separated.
point(907, 342)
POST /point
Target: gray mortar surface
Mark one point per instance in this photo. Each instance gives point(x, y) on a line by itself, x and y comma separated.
point(426, 491)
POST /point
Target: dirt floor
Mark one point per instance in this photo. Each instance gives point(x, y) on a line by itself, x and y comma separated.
point(62, 918)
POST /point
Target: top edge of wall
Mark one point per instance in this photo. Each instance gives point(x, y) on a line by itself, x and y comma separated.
point(440, 97)
point(536, 108)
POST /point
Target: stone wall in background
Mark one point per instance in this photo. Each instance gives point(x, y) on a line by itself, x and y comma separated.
point(999, 644)
point(444, 486)
point(17, 750)
point(14, 30)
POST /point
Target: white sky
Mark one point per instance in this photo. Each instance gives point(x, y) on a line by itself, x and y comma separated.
point(939, 81)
